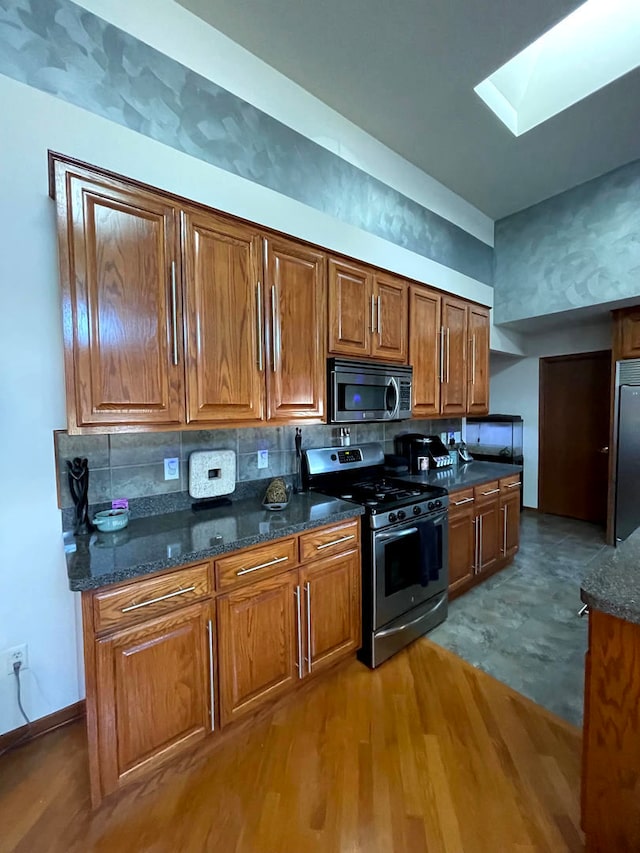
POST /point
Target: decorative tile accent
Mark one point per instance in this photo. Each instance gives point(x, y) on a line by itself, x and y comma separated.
point(60, 48)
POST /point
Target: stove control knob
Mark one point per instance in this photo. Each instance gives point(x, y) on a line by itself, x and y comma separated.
point(392, 517)
point(430, 505)
point(416, 510)
point(333, 457)
point(401, 514)
point(438, 503)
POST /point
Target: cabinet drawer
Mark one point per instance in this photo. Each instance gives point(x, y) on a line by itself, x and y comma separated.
point(146, 598)
point(256, 563)
point(461, 501)
point(486, 491)
point(329, 540)
point(510, 484)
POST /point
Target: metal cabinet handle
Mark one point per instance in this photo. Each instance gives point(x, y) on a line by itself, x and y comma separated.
point(448, 354)
point(475, 546)
point(307, 588)
point(156, 600)
point(259, 322)
point(504, 530)
point(212, 695)
point(261, 566)
point(275, 330)
point(463, 501)
point(490, 492)
point(373, 314)
point(335, 542)
point(473, 359)
point(441, 353)
point(584, 610)
point(296, 593)
point(379, 322)
point(174, 312)
point(513, 485)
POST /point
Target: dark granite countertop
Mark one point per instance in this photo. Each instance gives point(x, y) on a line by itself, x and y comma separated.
point(165, 541)
point(613, 586)
point(461, 477)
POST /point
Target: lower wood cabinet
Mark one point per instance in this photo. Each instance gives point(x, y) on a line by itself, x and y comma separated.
point(169, 660)
point(484, 531)
point(154, 692)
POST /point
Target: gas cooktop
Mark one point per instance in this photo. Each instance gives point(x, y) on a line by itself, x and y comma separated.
point(387, 493)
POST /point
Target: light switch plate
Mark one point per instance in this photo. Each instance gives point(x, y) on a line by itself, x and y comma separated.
point(172, 469)
point(263, 459)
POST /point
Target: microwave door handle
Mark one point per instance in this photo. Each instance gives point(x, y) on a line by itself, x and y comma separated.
point(393, 408)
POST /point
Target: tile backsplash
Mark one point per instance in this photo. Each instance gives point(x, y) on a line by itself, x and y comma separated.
point(131, 465)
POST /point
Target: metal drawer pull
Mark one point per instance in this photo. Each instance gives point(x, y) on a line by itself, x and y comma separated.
point(463, 501)
point(584, 610)
point(490, 492)
point(156, 600)
point(212, 695)
point(513, 485)
point(262, 566)
point(335, 542)
point(296, 592)
point(307, 588)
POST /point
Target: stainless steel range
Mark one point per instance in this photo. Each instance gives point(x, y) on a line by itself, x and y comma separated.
point(405, 545)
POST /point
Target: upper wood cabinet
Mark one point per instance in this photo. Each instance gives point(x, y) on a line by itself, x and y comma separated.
point(367, 313)
point(478, 361)
point(119, 258)
point(223, 319)
point(453, 393)
point(424, 349)
point(626, 333)
point(295, 322)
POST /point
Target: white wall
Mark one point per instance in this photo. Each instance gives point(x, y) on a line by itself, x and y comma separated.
point(36, 606)
point(515, 385)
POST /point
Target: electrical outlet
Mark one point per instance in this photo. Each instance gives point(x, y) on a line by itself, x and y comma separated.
point(172, 469)
point(263, 459)
point(14, 655)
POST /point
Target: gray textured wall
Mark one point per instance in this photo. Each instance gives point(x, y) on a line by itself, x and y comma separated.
point(60, 48)
point(577, 249)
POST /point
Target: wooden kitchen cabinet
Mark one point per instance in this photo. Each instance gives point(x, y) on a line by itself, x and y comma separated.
point(367, 313)
point(478, 360)
point(510, 512)
point(424, 350)
point(119, 263)
point(331, 605)
point(488, 525)
point(154, 692)
point(295, 322)
point(258, 630)
point(453, 391)
point(462, 541)
point(223, 320)
point(626, 333)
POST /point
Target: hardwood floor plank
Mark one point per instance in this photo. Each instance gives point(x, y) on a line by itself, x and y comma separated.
point(425, 753)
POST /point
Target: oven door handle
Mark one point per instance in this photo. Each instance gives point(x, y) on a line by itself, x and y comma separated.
point(397, 628)
point(386, 536)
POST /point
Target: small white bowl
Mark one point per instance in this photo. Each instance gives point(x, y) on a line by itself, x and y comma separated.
point(111, 519)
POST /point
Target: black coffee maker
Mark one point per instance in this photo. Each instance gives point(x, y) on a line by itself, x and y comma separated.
point(422, 452)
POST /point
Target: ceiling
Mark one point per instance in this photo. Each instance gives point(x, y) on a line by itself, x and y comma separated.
point(405, 71)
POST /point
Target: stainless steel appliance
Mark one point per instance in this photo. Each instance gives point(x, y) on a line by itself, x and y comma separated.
point(422, 452)
point(368, 391)
point(405, 545)
point(627, 430)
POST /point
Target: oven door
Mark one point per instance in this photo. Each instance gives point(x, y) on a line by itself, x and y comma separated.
point(409, 565)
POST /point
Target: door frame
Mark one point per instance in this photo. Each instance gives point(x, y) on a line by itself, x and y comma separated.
point(604, 353)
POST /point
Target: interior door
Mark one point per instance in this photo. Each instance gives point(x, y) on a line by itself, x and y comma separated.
point(574, 435)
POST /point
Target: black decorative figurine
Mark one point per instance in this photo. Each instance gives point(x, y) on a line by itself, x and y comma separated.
point(79, 487)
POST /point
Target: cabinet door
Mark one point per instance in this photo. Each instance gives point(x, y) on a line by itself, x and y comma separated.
point(626, 333)
point(153, 692)
point(453, 394)
point(462, 541)
point(225, 347)
point(331, 594)
point(390, 340)
point(351, 309)
point(258, 634)
point(489, 522)
point(510, 512)
point(121, 303)
point(424, 350)
point(296, 330)
point(478, 361)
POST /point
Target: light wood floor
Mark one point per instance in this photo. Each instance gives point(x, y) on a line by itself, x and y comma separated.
point(424, 754)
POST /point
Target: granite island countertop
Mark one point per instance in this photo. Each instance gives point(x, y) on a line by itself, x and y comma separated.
point(166, 541)
point(463, 476)
point(613, 586)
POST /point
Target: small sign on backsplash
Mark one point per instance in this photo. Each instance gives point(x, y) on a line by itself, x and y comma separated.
point(121, 503)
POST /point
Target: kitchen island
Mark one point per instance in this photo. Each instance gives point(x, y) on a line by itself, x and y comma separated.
point(611, 738)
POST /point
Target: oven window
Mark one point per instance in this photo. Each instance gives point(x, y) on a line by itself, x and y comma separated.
point(362, 398)
point(401, 564)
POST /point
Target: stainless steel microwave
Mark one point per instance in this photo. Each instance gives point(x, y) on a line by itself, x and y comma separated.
point(367, 391)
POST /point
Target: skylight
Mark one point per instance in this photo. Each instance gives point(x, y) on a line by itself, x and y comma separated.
point(591, 47)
